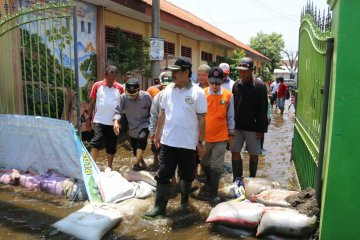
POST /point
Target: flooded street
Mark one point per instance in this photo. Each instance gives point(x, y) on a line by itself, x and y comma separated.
point(28, 215)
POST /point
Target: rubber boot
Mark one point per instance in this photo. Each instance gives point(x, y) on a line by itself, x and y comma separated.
point(253, 168)
point(207, 170)
point(161, 200)
point(185, 192)
point(215, 180)
point(237, 168)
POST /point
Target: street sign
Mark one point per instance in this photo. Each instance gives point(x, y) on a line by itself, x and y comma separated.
point(156, 49)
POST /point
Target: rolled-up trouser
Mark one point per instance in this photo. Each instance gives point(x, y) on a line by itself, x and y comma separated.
point(214, 155)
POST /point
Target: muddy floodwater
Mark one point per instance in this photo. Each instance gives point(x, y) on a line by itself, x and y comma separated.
point(29, 215)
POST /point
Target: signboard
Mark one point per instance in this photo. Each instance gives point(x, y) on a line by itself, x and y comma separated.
point(156, 49)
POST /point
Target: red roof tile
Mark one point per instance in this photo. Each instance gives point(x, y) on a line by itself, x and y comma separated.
point(192, 19)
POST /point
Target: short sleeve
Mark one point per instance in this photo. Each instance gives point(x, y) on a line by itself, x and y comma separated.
point(201, 106)
point(94, 90)
point(164, 99)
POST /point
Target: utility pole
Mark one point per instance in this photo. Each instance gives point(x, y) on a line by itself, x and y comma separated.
point(155, 64)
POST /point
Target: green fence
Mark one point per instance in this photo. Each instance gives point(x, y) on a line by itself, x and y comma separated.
point(36, 56)
point(314, 30)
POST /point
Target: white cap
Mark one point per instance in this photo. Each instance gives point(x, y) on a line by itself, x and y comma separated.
point(225, 67)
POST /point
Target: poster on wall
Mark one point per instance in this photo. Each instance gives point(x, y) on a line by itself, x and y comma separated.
point(54, 53)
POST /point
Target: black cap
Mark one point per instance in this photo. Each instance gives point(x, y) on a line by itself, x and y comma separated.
point(216, 74)
point(132, 85)
point(245, 64)
point(182, 64)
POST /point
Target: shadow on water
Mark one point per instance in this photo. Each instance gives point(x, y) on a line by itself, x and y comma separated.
point(29, 215)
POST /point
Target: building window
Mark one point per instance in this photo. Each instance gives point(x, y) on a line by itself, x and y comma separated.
point(185, 51)
point(110, 35)
point(205, 56)
point(82, 26)
point(169, 48)
point(89, 27)
point(219, 59)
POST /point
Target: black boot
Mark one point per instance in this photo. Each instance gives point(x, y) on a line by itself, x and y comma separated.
point(161, 200)
point(237, 168)
point(208, 174)
point(215, 180)
point(185, 192)
point(253, 168)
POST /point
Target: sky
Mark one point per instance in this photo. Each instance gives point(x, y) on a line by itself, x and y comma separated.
point(243, 19)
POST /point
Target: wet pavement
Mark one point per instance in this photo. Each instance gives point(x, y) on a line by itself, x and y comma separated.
point(28, 215)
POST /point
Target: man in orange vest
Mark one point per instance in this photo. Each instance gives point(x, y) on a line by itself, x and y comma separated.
point(219, 129)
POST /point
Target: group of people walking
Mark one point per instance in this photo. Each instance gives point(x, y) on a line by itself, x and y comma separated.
point(187, 122)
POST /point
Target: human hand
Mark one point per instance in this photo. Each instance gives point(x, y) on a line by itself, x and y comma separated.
point(201, 150)
point(116, 128)
point(259, 135)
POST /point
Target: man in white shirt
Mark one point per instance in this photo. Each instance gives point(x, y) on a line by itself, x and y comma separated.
point(180, 130)
point(106, 95)
point(274, 87)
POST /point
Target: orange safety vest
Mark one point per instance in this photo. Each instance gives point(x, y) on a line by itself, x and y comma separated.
point(216, 116)
point(153, 91)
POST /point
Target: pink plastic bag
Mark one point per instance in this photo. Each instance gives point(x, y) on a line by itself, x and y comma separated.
point(11, 177)
point(52, 183)
point(30, 181)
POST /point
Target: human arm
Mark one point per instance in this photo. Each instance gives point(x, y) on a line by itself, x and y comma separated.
point(230, 118)
point(90, 113)
point(262, 121)
point(154, 114)
point(202, 130)
point(159, 128)
point(119, 109)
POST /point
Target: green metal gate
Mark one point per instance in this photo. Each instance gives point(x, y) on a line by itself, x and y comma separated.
point(314, 30)
point(37, 76)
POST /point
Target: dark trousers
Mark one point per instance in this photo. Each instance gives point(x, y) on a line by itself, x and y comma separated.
point(172, 157)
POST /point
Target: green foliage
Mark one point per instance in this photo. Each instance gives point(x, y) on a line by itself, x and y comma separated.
point(269, 45)
point(128, 55)
point(233, 61)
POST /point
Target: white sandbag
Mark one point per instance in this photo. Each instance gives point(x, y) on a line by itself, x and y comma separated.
point(143, 189)
point(74, 189)
point(244, 214)
point(255, 186)
point(114, 188)
point(90, 222)
point(133, 207)
point(287, 222)
point(274, 197)
point(137, 176)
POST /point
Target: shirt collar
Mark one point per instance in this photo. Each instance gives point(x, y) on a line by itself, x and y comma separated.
point(218, 93)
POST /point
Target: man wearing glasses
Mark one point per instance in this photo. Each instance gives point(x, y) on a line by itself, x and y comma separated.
point(251, 104)
point(136, 103)
point(219, 130)
point(180, 129)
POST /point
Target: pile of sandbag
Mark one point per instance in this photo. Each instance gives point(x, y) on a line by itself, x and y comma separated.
point(265, 212)
point(50, 182)
point(114, 188)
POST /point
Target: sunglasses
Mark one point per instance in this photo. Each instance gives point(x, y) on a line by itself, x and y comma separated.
point(215, 83)
point(132, 93)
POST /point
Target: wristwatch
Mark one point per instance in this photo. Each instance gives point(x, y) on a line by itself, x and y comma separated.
point(202, 142)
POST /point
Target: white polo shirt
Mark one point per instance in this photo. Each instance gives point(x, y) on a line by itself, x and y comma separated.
point(181, 107)
point(106, 101)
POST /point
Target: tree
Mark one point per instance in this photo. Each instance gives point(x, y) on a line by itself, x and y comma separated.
point(292, 62)
point(128, 54)
point(233, 61)
point(269, 45)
